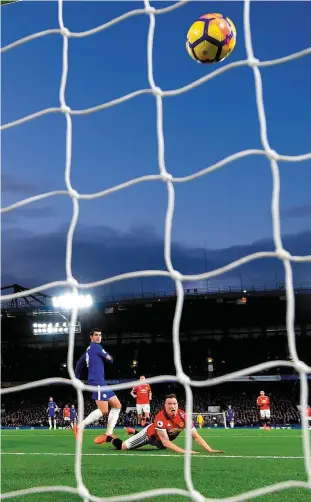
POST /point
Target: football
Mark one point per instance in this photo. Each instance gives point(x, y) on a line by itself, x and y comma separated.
point(211, 38)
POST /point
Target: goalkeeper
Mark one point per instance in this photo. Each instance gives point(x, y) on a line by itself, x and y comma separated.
point(168, 424)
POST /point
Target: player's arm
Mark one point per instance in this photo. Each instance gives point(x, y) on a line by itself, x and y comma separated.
point(165, 440)
point(133, 393)
point(104, 355)
point(150, 394)
point(80, 365)
point(198, 439)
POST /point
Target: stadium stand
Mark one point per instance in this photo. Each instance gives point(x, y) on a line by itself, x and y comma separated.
point(217, 328)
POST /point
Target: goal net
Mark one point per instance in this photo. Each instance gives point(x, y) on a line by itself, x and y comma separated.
point(279, 253)
point(211, 419)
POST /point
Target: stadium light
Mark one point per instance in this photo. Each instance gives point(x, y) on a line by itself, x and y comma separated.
point(52, 328)
point(70, 300)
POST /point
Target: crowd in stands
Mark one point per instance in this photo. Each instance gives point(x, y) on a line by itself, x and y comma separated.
point(32, 410)
point(20, 364)
point(229, 354)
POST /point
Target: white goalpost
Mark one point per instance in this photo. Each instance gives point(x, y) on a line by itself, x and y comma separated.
point(279, 253)
point(212, 419)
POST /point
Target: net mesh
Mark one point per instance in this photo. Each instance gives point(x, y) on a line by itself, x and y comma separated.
point(279, 253)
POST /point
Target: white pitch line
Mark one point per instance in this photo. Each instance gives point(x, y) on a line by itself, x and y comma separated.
point(204, 435)
point(152, 455)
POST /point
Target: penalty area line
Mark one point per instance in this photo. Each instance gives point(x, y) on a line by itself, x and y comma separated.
point(55, 454)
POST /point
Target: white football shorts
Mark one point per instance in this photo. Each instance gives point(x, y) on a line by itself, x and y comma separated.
point(265, 413)
point(66, 419)
point(140, 408)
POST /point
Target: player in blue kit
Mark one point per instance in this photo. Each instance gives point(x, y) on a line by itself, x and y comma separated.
point(94, 358)
point(52, 408)
point(73, 416)
point(230, 416)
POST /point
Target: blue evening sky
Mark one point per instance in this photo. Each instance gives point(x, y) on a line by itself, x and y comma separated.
point(227, 208)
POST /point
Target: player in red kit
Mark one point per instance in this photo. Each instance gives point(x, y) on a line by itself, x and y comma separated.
point(142, 394)
point(168, 424)
point(66, 416)
point(263, 402)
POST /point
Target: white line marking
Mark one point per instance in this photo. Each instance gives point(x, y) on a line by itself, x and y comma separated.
point(204, 435)
point(152, 455)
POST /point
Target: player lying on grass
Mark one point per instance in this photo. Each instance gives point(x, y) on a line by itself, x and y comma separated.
point(168, 424)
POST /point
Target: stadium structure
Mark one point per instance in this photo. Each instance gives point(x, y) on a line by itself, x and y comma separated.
point(233, 329)
point(220, 332)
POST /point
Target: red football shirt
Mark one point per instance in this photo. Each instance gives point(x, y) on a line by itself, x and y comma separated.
point(66, 412)
point(142, 393)
point(263, 402)
point(172, 425)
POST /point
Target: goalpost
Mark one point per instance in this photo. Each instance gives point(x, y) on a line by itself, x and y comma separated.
point(212, 419)
point(280, 253)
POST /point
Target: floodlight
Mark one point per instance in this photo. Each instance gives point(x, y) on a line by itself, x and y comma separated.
point(70, 300)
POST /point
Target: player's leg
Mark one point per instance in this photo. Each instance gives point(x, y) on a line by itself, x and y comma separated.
point(54, 420)
point(50, 423)
point(232, 424)
point(139, 410)
point(94, 416)
point(143, 420)
point(136, 441)
point(115, 408)
point(101, 401)
point(111, 398)
point(262, 419)
point(267, 419)
point(146, 410)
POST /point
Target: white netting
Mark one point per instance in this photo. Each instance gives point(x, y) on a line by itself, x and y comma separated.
point(279, 252)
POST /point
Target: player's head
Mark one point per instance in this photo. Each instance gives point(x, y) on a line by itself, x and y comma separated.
point(142, 378)
point(50, 399)
point(96, 335)
point(229, 406)
point(262, 392)
point(66, 405)
point(72, 406)
point(171, 405)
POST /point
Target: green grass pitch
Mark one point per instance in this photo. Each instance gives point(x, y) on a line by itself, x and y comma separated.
point(252, 459)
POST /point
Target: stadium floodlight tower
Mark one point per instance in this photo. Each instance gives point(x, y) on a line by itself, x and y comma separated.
point(57, 322)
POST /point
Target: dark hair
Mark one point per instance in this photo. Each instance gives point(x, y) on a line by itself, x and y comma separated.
point(95, 330)
point(171, 396)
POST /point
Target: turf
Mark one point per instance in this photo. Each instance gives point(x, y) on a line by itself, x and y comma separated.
point(252, 459)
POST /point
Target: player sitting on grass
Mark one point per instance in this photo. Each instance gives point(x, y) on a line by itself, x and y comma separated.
point(94, 359)
point(168, 424)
